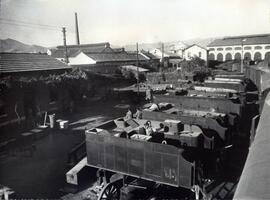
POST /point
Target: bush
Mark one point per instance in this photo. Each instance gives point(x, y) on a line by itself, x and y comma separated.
point(201, 73)
point(190, 65)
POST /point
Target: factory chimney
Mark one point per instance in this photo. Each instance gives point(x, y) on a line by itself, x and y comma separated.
point(77, 29)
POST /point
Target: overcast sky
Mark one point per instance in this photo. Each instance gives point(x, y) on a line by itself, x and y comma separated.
point(123, 22)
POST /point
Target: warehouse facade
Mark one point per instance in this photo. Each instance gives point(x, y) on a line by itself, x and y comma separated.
point(248, 47)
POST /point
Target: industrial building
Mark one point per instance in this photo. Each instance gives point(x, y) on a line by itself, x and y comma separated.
point(98, 58)
point(22, 94)
point(195, 51)
point(249, 47)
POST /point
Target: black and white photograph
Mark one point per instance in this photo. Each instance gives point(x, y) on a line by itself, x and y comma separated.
point(134, 99)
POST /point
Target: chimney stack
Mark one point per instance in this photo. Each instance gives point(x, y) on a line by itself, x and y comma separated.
point(77, 29)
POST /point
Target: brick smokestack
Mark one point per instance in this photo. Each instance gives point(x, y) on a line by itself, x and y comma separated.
point(77, 29)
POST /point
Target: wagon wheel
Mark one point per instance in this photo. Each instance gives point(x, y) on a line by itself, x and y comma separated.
point(111, 191)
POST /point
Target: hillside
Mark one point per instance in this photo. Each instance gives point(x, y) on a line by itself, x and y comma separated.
point(14, 46)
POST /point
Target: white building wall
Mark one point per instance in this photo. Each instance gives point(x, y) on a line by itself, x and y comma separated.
point(158, 53)
point(81, 59)
point(195, 51)
point(252, 51)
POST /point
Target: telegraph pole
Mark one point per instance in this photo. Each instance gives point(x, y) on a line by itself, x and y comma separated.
point(137, 46)
point(162, 56)
point(65, 44)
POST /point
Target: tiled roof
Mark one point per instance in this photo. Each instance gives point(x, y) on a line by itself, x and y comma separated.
point(59, 53)
point(103, 44)
point(26, 62)
point(118, 49)
point(238, 40)
point(114, 57)
point(73, 50)
point(194, 45)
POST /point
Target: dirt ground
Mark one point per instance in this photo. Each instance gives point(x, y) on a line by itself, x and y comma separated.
point(35, 166)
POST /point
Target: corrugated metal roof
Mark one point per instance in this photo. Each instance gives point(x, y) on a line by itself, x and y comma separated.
point(238, 40)
point(26, 62)
point(114, 57)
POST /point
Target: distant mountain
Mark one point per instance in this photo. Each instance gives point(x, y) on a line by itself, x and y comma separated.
point(170, 45)
point(14, 46)
point(144, 46)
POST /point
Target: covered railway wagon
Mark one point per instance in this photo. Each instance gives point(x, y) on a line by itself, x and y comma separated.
point(173, 158)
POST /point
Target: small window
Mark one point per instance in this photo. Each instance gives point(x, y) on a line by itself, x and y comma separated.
point(237, 48)
point(189, 55)
point(200, 54)
point(228, 49)
point(220, 49)
point(258, 47)
point(267, 47)
point(212, 49)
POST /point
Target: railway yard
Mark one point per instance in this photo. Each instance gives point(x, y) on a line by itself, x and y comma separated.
point(196, 148)
point(134, 100)
point(186, 141)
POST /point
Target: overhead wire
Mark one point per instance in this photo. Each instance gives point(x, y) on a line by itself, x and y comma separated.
point(28, 26)
point(32, 25)
point(27, 23)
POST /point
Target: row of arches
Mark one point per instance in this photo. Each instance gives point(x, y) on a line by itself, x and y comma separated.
point(237, 56)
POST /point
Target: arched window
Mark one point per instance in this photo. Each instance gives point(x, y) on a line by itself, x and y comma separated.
point(257, 56)
point(247, 48)
point(228, 57)
point(267, 56)
point(228, 49)
point(258, 47)
point(220, 57)
point(237, 56)
point(237, 48)
point(247, 56)
point(220, 49)
point(211, 56)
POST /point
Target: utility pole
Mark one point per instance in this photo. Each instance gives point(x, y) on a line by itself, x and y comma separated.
point(65, 45)
point(162, 56)
point(137, 46)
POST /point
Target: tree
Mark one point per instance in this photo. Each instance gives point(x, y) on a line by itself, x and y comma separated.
point(197, 67)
